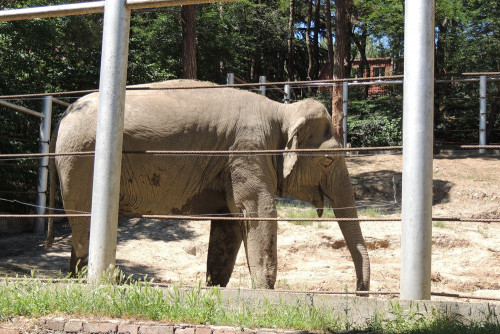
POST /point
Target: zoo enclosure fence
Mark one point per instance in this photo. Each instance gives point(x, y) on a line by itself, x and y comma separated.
point(45, 155)
point(263, 86)
point(113, 67)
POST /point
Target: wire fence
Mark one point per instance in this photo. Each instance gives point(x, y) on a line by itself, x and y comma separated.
point(253, 216)
point(271, 85)
point(226, 153)
point(307, 152)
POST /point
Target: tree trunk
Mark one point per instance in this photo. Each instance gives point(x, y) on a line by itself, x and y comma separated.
point(341, 20)
point(363, 61)
point(441, 91)
point(329, 38)
point(308, 40)
point(348, 43)
point(188, 16)
point(291, 32)
point(317, 24)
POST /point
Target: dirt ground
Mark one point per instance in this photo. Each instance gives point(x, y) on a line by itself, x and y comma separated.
point(465, 256)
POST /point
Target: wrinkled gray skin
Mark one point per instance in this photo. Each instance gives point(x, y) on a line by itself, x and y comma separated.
point(213, 119)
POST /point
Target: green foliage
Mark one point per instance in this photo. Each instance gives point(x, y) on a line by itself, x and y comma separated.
point(375, 121)
point(243, 37)
point(155, 39)
point(381, 20)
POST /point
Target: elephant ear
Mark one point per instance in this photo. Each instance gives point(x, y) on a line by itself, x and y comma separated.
point(290, 159)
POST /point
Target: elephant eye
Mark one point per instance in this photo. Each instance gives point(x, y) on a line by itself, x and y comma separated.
point(326, 161)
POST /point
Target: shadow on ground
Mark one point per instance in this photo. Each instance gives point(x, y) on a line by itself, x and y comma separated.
point(136, 228)
point(22, 253)
point(384, 187)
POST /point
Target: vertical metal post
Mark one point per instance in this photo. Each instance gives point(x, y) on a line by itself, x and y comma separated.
point(109, 139)
point(288, 94)
point(345, 97)
point(262, 79)
point(418, 119)
point(482, 112)
point(230, 78)
point(43, 169)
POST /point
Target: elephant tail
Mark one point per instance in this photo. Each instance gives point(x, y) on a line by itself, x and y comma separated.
point(52, 189)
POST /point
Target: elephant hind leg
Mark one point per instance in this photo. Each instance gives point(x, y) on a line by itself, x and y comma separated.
point(225, 241)
point(77, 264)
point(80, 229)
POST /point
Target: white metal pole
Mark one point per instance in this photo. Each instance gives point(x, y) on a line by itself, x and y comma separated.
point(43, 169)
point(418, 119)
point(109, 139)
point(230, 78)
point(288, 94)
point(262, 79)
point(482, 112)
point(345, 97)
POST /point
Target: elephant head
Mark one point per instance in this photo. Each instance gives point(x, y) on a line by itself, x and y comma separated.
point(315, 177)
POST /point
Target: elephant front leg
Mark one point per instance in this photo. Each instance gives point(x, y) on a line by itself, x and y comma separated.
point(225, 241)
point(260, 239)
point(251, 192)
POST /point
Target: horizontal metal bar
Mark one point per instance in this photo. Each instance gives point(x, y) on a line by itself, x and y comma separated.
point(21, 109)
point(139, 4)
point(52, 11)
point(62, 103)
point(395, 82)
point(466, 80)
point(369, 83)
point(88, 8)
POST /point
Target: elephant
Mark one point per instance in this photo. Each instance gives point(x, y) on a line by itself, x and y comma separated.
point(160, 116)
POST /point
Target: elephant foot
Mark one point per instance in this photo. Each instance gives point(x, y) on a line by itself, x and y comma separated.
point(77, 265)
point(362, 286)
point(263, 281)
point(217, 280)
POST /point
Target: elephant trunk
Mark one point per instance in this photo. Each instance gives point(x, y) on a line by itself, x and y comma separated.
point(340, 191)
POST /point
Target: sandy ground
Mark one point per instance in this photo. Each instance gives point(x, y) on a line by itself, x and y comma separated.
point(465, 256)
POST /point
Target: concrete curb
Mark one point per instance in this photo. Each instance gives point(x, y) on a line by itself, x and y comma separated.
point(359, 311)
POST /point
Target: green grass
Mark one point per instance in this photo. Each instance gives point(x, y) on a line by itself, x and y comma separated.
point(295, 211)
point(370, 212)
point(411, 321)
point(302, 212)
point(142, 300)
point(440, 224)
